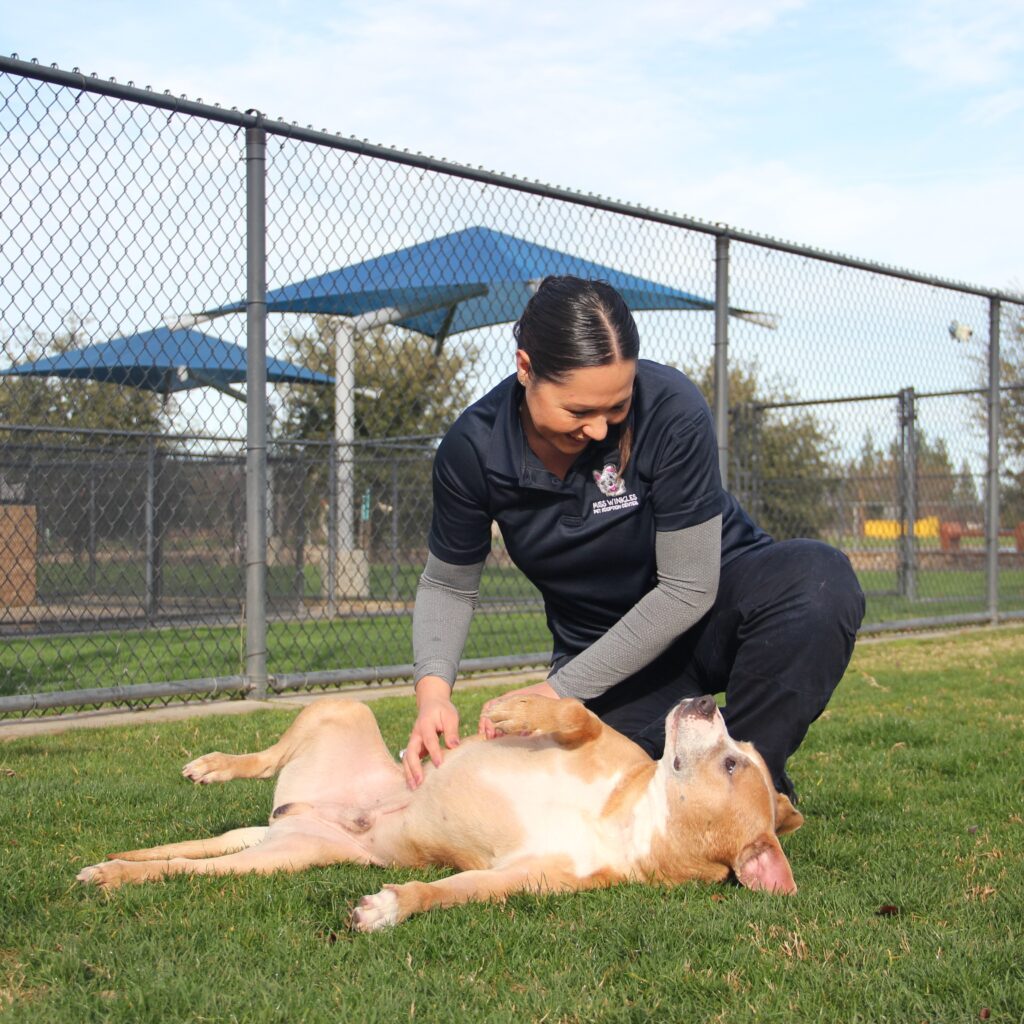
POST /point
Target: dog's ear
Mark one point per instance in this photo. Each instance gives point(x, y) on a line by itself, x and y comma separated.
point(763, 865)
point(787, 817)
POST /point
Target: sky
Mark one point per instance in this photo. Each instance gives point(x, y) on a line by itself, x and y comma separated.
point(889, 130)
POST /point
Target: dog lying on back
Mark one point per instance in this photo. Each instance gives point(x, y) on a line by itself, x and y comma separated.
point(558, 802)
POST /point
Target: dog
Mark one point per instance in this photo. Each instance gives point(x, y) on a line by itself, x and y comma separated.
point(557, 801)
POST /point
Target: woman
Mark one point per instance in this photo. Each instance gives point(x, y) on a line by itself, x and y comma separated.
point(601, 471)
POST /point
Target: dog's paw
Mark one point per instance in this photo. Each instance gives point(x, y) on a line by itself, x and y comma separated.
point(512, 715)
point(105, 876)
point(209, 768)
point(372, 913)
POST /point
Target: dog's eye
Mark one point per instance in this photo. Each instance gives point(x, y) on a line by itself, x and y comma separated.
point(676, 762)
point(730, 764)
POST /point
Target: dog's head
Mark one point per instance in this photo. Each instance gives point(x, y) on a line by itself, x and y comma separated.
point(724, 815)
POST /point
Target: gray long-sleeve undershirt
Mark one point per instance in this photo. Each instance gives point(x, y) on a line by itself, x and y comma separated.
point(688, 563)
point(445, 600)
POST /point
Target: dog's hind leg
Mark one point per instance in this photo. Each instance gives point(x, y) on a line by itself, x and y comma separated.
point(216, 846)
point(338, 731)
point(294, 852)
point(263, 764)
point(218, 767)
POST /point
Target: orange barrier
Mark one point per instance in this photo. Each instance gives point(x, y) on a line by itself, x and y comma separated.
point(950, 535)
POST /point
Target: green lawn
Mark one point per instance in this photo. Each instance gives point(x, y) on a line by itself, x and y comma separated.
point(127, 657)
point(208, 579)
point(952, 592)
point(910, 867)
point(45, 664)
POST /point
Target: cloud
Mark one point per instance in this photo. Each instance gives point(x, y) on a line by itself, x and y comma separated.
point(960, 45)
point(335, 64)
point(932, 226)
point(718, 110)
point(997, 107)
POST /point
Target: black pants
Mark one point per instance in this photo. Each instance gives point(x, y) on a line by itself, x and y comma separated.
point(776, 641)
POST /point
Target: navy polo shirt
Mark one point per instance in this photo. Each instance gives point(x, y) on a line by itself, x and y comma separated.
point(587, 546)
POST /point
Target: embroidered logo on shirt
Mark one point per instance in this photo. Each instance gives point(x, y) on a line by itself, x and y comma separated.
point(608, 481)
point(616, 503)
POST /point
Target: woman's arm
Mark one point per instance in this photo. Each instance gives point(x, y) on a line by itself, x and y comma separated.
point(688, 565)
point(445, 600)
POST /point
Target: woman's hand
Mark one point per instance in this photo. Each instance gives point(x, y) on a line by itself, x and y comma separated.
point(486, 727)
point(437, 716)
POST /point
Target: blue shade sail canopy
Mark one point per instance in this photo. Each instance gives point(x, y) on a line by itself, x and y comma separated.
point(165, 361)
point(457, 282)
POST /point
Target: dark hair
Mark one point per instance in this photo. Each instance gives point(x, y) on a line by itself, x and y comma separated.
point(572, 323)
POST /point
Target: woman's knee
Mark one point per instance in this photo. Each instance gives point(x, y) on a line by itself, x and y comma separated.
point(833, 590)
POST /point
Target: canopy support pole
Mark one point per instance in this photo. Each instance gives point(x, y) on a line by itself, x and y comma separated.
point(349, 568)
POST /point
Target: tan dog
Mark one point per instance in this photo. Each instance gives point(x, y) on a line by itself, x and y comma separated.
point(559, 802)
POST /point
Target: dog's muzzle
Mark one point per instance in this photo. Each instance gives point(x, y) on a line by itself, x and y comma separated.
point(699, 707)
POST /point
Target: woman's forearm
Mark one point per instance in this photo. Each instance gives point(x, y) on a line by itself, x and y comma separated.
point(689, 562)
point(445, 600)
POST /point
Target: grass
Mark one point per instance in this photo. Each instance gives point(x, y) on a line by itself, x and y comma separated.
point(126, 580)
point(945, 592)
point(910, 866)
point(47, 663)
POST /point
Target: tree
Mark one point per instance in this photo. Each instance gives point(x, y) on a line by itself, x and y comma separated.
point(967, 506)
point(781, 465)
point(406, 397)
point(1011, 416)
point(875, 480)
point(402, 388)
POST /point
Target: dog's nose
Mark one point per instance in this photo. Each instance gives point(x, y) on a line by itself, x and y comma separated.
point(703, 707)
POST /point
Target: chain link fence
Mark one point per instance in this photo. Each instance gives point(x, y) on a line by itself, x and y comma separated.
point(164, 535)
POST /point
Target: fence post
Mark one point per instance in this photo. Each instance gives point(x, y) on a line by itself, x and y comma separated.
point(152, 526)
point(92, 532)
point(908, 494)
point(332, 528)
point(721, 410)
point(256, 411)
point(743, 449)
point(992, 518)
point(394, 527)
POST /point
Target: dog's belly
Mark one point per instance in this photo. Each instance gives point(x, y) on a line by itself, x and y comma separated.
point(332, 776)
point(355, 833)
point(511, 800)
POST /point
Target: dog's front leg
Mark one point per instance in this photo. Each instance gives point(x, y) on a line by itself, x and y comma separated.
point(567, 721)
point(394, 903)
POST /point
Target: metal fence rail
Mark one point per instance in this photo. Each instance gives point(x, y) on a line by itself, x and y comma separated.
point(180, 543)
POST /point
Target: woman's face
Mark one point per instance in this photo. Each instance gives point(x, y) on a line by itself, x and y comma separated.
point(569, 415)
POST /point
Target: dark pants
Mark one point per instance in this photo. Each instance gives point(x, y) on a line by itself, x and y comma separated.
point(776, 641)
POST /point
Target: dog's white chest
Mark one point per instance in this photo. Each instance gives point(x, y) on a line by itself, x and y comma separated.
point(559, 814)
